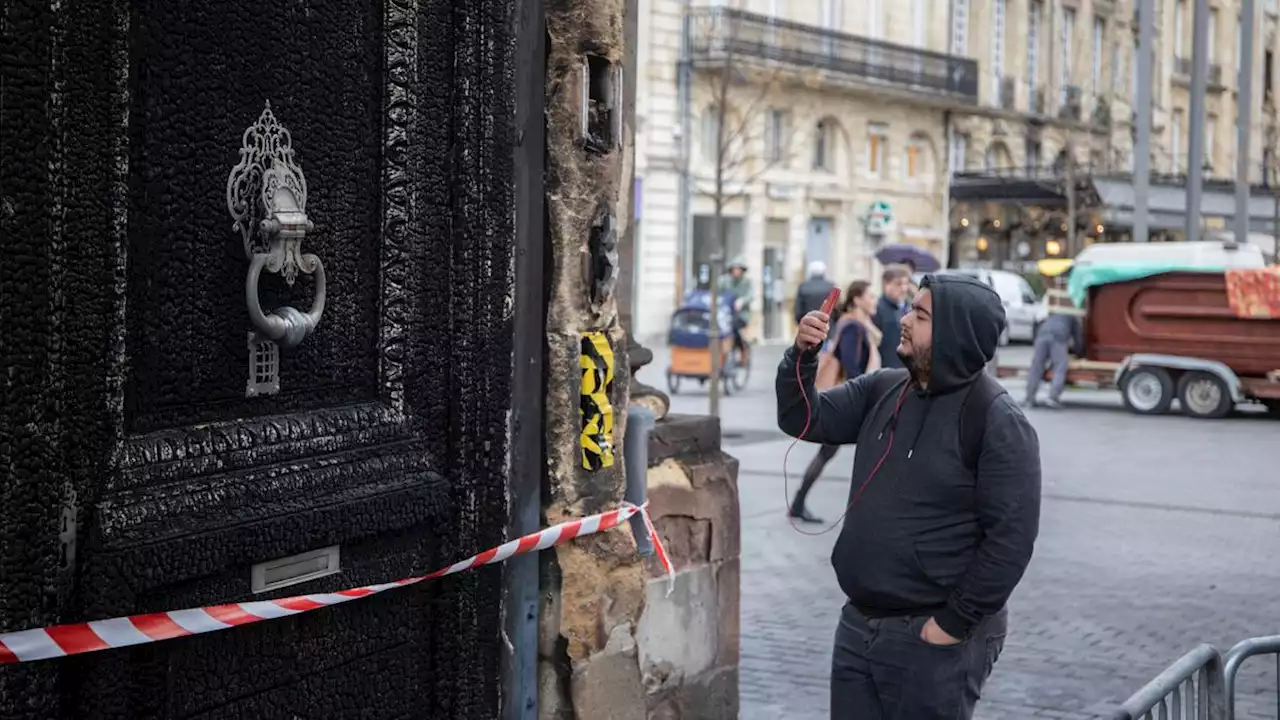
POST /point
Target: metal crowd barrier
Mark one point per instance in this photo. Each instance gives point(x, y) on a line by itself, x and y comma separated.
point(1199, 685)
point(1236, 656)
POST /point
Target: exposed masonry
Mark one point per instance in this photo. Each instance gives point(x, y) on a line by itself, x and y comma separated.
point(595, 591)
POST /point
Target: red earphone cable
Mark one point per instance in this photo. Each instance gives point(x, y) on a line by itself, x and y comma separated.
point(808, 409)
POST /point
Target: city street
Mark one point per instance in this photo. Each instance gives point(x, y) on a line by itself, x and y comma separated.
point(1156, 534)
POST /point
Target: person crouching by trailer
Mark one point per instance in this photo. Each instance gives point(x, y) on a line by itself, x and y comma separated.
point(1061, 332)
point(943, 510)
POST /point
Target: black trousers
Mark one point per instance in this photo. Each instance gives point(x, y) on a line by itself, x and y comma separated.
point(882, 670)
point(811, 473)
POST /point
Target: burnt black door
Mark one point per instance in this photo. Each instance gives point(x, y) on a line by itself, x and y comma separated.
point(139, 473)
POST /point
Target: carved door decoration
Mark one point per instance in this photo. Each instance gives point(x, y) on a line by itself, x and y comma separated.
point(158, 214)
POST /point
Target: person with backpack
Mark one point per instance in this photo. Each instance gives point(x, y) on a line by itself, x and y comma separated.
point(943, 510)
point(852, 352)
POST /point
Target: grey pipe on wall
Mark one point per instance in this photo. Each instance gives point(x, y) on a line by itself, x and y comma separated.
point(635, 450)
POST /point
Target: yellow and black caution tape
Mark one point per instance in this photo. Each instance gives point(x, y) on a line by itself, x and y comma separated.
point(596, 362)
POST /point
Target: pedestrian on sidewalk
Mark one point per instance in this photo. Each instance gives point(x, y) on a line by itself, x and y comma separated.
point(943, 510)
point(1060, 333)
point(813, 291)
point(852, 352)
point(896, 282)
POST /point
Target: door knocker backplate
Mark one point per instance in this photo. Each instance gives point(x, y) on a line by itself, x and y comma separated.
point(267, 199)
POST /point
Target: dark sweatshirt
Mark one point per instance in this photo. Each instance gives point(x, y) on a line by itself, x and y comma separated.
point(811, 294)
point(889, 320)
point(927, 536)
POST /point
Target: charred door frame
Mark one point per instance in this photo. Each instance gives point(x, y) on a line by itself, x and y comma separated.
point(521, 595)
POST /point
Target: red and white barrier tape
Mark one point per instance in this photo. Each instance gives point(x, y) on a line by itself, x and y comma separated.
point(78, 638)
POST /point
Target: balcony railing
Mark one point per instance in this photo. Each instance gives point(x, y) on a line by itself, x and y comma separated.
point(720, 34)
point(1182, 68)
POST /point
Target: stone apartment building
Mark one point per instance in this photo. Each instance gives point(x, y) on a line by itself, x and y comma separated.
point(845, 117)
point(1058, 81)
point(877, 103)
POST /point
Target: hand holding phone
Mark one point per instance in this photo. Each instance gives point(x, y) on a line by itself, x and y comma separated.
point(829, 304)
point(815, 326)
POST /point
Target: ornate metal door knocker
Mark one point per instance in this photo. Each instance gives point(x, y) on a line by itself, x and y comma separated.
point(267, 197)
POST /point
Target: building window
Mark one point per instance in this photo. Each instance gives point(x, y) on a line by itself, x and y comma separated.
point(831, 21)
point(877, 142)
point(823, 145)
point(1099, 32)
point(710, 134)
point(921, 23)
point(876, 19)
point(997, 53)
point(1116, 70)
point(1033, 46)
point(1239, 40)
point(1210, 129)
point(960, 28)
point(1267, 59)
point(1133, 69)
point(1179, 28)
point(777, 137)
point(1067, 42)
point(914, 160)
point(830, 14)
point(959, 152)
point(1175, 142)
point(1033, 158)
point(1211, 32)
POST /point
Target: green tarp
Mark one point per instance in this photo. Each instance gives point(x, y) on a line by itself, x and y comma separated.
point(1086, 276)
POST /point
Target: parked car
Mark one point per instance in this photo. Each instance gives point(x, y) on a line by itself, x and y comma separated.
point(1023, 310)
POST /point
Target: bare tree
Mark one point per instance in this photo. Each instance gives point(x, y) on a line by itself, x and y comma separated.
point(746, 143)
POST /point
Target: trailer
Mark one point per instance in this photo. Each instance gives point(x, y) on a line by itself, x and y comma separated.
point(1205, 335)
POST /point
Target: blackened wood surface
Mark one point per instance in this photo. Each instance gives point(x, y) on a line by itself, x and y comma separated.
point(122, 331)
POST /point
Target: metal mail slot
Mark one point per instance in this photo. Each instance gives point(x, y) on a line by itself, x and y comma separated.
point(286, 571)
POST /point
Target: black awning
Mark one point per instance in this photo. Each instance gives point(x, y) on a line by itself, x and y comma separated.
point(967, 187)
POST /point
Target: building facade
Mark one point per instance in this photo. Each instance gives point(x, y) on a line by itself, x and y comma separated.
point(1059, 78)
point(833, 143)
point(957, 125)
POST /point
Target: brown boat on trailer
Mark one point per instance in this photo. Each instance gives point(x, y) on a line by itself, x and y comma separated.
point(1175, 335)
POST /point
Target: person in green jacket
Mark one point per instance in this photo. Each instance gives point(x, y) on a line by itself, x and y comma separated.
point(735, 283)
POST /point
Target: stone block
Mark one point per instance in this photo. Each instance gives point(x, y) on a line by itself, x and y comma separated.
point(706, 491)
point(684, 436)
point(728, 576)
point(606, 686)
point(679, 635)
point(710, 696)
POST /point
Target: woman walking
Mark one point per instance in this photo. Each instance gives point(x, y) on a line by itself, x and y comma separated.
point(852, 351)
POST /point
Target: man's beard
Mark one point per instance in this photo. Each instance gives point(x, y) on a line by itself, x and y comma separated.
point(920, 368)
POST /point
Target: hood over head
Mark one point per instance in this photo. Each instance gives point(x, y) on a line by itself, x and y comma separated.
point(968, 319)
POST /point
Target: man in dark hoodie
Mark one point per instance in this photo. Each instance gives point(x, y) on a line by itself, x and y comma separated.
point(889, 312)
point(943, 510)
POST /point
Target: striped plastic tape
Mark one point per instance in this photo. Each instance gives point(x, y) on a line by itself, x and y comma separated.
point(78, 638)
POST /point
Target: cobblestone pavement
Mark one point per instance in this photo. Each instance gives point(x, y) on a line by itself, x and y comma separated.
point(1157, 534)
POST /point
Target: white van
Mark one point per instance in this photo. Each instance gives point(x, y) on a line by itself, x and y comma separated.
point(1022, 308)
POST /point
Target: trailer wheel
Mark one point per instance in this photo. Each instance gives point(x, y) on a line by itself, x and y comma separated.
point(673, 382)
point(1147, 391)
point(1204, 395)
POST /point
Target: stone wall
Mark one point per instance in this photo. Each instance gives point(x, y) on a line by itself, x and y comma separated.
point(688, 640)
point(592, 588)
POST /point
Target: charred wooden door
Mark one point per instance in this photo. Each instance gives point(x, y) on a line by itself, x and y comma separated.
point(136, 475)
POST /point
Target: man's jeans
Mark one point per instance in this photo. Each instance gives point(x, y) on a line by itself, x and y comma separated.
point(882, 669)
